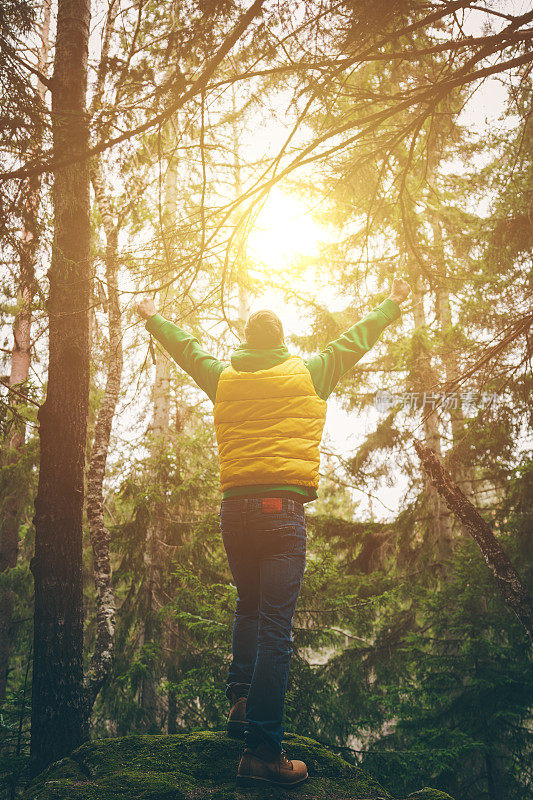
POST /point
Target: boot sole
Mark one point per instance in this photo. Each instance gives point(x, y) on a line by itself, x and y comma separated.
point(247, 780)
point(236, 729)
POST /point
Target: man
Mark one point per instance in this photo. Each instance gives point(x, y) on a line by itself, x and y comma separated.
point(269, 409)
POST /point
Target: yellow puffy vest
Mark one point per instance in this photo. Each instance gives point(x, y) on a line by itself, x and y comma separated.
point(269, 425)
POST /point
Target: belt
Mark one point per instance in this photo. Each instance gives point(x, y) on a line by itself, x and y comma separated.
point(271, 503)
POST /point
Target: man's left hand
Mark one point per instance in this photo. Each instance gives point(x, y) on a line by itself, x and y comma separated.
point(400, 290)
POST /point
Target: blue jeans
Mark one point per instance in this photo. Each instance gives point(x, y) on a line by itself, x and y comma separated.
point(265, 542)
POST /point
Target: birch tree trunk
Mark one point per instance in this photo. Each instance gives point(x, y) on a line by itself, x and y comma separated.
point(20, 368)
point(59, 709)
point(102, 658)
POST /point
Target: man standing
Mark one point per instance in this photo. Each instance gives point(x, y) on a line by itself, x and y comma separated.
point(269, 409)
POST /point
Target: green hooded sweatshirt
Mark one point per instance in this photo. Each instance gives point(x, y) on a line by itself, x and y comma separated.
point(326, 368)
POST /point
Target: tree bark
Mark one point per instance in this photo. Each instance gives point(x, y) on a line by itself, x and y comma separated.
point(9, 525)
point(461, 471)
point(102, 658)
point(243, 304)
point(424, 378)
point(20, 368)
point(172, 664)
point(59, 709)
point(507, 578)
point(160, 434)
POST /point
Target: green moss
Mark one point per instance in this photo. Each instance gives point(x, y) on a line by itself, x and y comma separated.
point(194, 766)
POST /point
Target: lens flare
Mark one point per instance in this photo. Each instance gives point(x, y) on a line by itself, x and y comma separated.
point(284, 232)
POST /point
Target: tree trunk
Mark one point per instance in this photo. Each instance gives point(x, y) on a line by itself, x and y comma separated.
point(155, 530)
point(9, 525)
point(507, 578)
point(20, 368)
point(243, 307)
point(59, 709)
point(160, 432)
point(424, 380)
point(172, 674)
point(102, 657)
point(461, 471)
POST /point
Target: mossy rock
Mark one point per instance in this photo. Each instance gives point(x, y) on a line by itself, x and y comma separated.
point(194, 766)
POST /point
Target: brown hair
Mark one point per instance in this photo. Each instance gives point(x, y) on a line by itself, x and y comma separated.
point(264, 330)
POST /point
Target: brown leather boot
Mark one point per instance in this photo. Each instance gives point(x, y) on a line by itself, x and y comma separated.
point(259, 765)
point(236, 724)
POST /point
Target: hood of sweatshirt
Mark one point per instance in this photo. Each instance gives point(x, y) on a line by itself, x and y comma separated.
point(250, 359)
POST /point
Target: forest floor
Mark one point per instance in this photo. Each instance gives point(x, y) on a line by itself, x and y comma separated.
point(197, 765)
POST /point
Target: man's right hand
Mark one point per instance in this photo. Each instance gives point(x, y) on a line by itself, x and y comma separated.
point(146, 308)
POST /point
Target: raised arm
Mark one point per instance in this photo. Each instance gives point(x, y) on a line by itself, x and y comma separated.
point(328, 367)
point(184, 348)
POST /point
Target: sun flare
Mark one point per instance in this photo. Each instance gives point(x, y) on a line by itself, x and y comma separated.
point(284, 231)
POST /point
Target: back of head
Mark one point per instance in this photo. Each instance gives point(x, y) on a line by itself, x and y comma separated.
point(264, 330)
